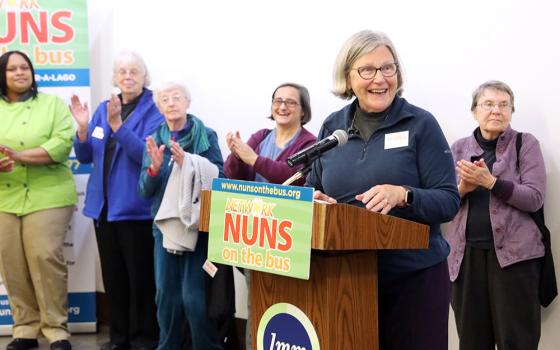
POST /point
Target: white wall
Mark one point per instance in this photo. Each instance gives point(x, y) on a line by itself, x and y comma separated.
point(232, 54)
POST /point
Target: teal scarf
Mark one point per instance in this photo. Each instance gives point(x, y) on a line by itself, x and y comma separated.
point(195, 141)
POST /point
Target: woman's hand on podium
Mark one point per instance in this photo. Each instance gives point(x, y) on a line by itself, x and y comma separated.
point(319, 196)
point(383, 198)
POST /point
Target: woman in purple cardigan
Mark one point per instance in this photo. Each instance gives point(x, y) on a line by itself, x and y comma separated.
point(494, 242)
point(263, 157)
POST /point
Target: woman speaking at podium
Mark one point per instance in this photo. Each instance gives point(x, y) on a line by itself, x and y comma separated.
point(397, 161)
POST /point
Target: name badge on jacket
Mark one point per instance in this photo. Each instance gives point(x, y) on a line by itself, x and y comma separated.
point(98, 133)
point(396, 139)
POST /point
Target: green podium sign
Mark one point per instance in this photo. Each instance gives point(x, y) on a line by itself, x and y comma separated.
point(261, 226)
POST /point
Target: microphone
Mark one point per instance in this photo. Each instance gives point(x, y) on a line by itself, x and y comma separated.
point(308, 155)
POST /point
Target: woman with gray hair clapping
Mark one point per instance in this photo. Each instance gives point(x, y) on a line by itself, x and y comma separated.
point(113, 142)
point(496, 245)
point(182, 147)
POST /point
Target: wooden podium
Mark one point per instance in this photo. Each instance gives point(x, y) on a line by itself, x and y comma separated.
point(340, 297)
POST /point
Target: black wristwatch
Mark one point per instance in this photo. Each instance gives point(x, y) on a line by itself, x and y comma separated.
point(408, 197)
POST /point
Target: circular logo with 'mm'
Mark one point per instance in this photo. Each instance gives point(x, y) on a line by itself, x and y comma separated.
point(285, 326)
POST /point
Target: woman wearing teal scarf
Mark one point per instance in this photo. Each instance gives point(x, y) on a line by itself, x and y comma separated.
point(181, 283)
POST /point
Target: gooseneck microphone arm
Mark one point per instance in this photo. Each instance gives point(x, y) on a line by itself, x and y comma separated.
point(298, 175)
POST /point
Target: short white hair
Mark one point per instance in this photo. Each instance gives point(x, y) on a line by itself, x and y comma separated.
point(168, 86)
point(131, 57)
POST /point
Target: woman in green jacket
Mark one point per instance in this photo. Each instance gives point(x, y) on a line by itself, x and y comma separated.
point(37, 201)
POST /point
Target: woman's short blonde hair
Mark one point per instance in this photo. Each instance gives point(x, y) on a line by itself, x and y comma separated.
point(355, 47)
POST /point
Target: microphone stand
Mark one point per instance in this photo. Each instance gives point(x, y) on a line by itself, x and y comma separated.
point(302, 173)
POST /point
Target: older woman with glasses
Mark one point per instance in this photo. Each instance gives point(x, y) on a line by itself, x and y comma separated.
point(397, 161)
point(263, 157)
point(184, 151)
point(494, 242)
point(113, 141)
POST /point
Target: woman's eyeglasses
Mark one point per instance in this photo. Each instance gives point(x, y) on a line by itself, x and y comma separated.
point(277, 102)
